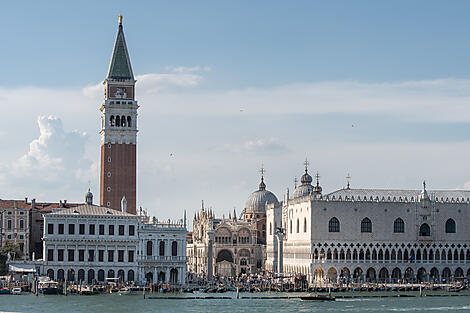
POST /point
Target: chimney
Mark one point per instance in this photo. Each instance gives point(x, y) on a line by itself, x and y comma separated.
point(26, 200)
point(15, 204)
point(33, 203)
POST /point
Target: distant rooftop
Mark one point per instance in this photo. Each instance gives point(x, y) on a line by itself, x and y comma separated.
point(87, 209)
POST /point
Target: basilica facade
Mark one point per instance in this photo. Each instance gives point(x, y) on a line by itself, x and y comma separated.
point(376, 235)
point(231, 246)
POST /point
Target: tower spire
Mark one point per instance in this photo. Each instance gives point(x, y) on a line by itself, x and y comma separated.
point(120, 66)
point(348, 178)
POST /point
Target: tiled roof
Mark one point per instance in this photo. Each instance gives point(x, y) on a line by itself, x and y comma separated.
point(9, 204)
point(87, 209)
point(391, 194)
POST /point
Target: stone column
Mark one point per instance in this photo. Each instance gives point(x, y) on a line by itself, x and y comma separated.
point(210, 255)
point(280, 250)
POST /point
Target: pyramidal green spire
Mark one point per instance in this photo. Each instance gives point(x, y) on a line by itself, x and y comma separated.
point(120, 65)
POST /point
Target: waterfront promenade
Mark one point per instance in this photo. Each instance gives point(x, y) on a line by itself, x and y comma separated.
point(281, 302)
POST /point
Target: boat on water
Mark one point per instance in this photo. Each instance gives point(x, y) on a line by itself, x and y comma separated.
point(124, 291)
point(48, 287)
point(16, 291)
point(4, 291)
point(317, 297)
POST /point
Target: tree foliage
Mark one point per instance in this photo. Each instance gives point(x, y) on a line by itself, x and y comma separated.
point(15, 252)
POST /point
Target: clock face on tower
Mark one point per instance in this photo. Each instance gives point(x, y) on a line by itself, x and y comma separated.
point(120, 92)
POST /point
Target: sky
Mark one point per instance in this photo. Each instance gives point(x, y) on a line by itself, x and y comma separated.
point(379, 90)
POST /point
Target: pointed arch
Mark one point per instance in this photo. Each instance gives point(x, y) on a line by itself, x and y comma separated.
point(425, 230)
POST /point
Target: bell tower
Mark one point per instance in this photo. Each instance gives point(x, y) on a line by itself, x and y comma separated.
point(119, 131)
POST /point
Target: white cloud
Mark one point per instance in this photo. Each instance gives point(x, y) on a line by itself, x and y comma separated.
point(258, 146)
point(183, 69)
point(153, 83)
point(437, 100)
point(59, 162)
point(54, 161)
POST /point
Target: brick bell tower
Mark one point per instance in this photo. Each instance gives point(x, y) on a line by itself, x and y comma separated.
point(119, 131)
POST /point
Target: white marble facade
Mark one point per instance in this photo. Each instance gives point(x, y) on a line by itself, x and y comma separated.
point(90, 243)
point(162, 257)
point(94, 244)
point(372, 234)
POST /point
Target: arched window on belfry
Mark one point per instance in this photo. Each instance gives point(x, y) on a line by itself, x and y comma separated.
point(450, 226)
point(129, 124)
point(297, 226)
point(398, 226)
point(118, 121)
point(333, 225)
point(305, 224)
point(123, 121)
point(111, 120)
point(366, 225)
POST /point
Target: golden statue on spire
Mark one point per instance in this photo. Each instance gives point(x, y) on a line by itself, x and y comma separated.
point(120, 19)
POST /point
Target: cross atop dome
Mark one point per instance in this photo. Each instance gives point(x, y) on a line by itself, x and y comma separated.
point(262, 185)
point(262, 171)
point(306, 163)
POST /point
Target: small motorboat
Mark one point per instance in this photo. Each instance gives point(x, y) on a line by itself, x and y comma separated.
point(124, 291)
point(16, 291)
point(317, 297)
point(4, 291)
point(48, 287)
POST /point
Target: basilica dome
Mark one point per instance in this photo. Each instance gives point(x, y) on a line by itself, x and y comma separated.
point(257, 201)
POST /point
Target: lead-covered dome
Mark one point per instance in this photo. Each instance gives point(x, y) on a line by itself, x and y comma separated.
point(257, 201)
point(306, 188)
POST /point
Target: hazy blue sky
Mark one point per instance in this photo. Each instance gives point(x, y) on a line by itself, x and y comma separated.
point(378, 89)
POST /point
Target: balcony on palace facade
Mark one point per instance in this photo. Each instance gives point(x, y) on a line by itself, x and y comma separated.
point(162, 226)
point(392, 261)
point(156, 258)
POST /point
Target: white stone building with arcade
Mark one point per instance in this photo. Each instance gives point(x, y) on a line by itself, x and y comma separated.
point(371, 234)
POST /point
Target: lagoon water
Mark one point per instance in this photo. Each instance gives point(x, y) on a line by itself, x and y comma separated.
point(136, 303)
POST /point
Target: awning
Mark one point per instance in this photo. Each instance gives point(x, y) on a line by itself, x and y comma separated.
point(21, 268)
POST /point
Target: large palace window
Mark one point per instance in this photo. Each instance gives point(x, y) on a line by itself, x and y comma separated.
point(398, 226)
point(425, 230)
point(450, 226)
point(366, 225)
point(333, 225)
